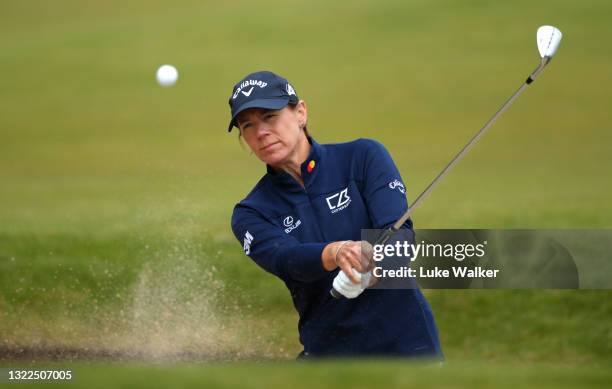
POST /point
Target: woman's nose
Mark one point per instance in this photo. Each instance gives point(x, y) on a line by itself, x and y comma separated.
point(262, 129)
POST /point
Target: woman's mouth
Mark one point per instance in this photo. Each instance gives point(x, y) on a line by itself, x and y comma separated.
point(266, 147)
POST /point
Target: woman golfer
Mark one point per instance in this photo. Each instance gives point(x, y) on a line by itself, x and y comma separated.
point(302, 222)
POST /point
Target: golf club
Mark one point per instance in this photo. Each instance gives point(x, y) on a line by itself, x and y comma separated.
point(548, 39)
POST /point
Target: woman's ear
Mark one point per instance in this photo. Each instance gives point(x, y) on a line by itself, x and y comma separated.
point(302, 113)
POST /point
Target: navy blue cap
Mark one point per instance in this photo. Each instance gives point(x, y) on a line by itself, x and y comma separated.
point(260, 90)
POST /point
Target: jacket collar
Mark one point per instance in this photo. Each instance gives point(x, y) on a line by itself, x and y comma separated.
point(309, 168)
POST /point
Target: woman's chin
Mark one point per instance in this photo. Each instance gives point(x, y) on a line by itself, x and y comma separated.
point(274, 159)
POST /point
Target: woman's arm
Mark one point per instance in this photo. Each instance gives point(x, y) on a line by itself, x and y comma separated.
point(276, 251)
point(383, 189)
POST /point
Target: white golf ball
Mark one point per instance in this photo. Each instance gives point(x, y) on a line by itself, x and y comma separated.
point(166, 75)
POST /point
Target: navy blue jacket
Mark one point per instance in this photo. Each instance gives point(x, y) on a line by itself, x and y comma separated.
point(284, 227)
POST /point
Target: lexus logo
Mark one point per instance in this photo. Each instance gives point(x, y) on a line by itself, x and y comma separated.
point(289, 223)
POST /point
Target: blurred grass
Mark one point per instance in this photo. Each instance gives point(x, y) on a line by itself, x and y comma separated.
point(56, 289)
point(103, 172)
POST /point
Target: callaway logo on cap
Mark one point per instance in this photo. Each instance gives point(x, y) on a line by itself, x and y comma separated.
point(260, 90)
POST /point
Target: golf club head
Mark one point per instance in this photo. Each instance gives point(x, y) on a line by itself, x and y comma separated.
point(548, 39)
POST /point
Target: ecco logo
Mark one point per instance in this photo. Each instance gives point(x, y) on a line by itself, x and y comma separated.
point(288, 222)
point(339, 201)
point(397, 184)
point(248, 239)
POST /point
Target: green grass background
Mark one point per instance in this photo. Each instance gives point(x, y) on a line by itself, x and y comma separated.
point(116, 194)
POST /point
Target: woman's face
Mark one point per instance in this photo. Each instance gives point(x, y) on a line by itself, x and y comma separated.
point(273, 135)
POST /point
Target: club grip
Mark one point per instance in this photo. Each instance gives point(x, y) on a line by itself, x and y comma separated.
point(335, 294)
point(382, 239)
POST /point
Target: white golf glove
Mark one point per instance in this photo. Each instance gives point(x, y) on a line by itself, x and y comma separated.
point(348, 289)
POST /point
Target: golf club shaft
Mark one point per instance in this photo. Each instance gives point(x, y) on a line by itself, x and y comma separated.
point(468, 146)
point(384, 237)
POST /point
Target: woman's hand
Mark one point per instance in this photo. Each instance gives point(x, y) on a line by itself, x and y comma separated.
point(348, 255)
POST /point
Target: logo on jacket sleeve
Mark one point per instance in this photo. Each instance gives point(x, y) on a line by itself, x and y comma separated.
point(248, 239)
point(288, 222)
point(397, 184)
point(338, 201)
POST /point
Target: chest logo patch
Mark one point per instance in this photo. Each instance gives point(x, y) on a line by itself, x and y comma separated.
point(290, 225)
point(338, 201)
point(311, 165)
